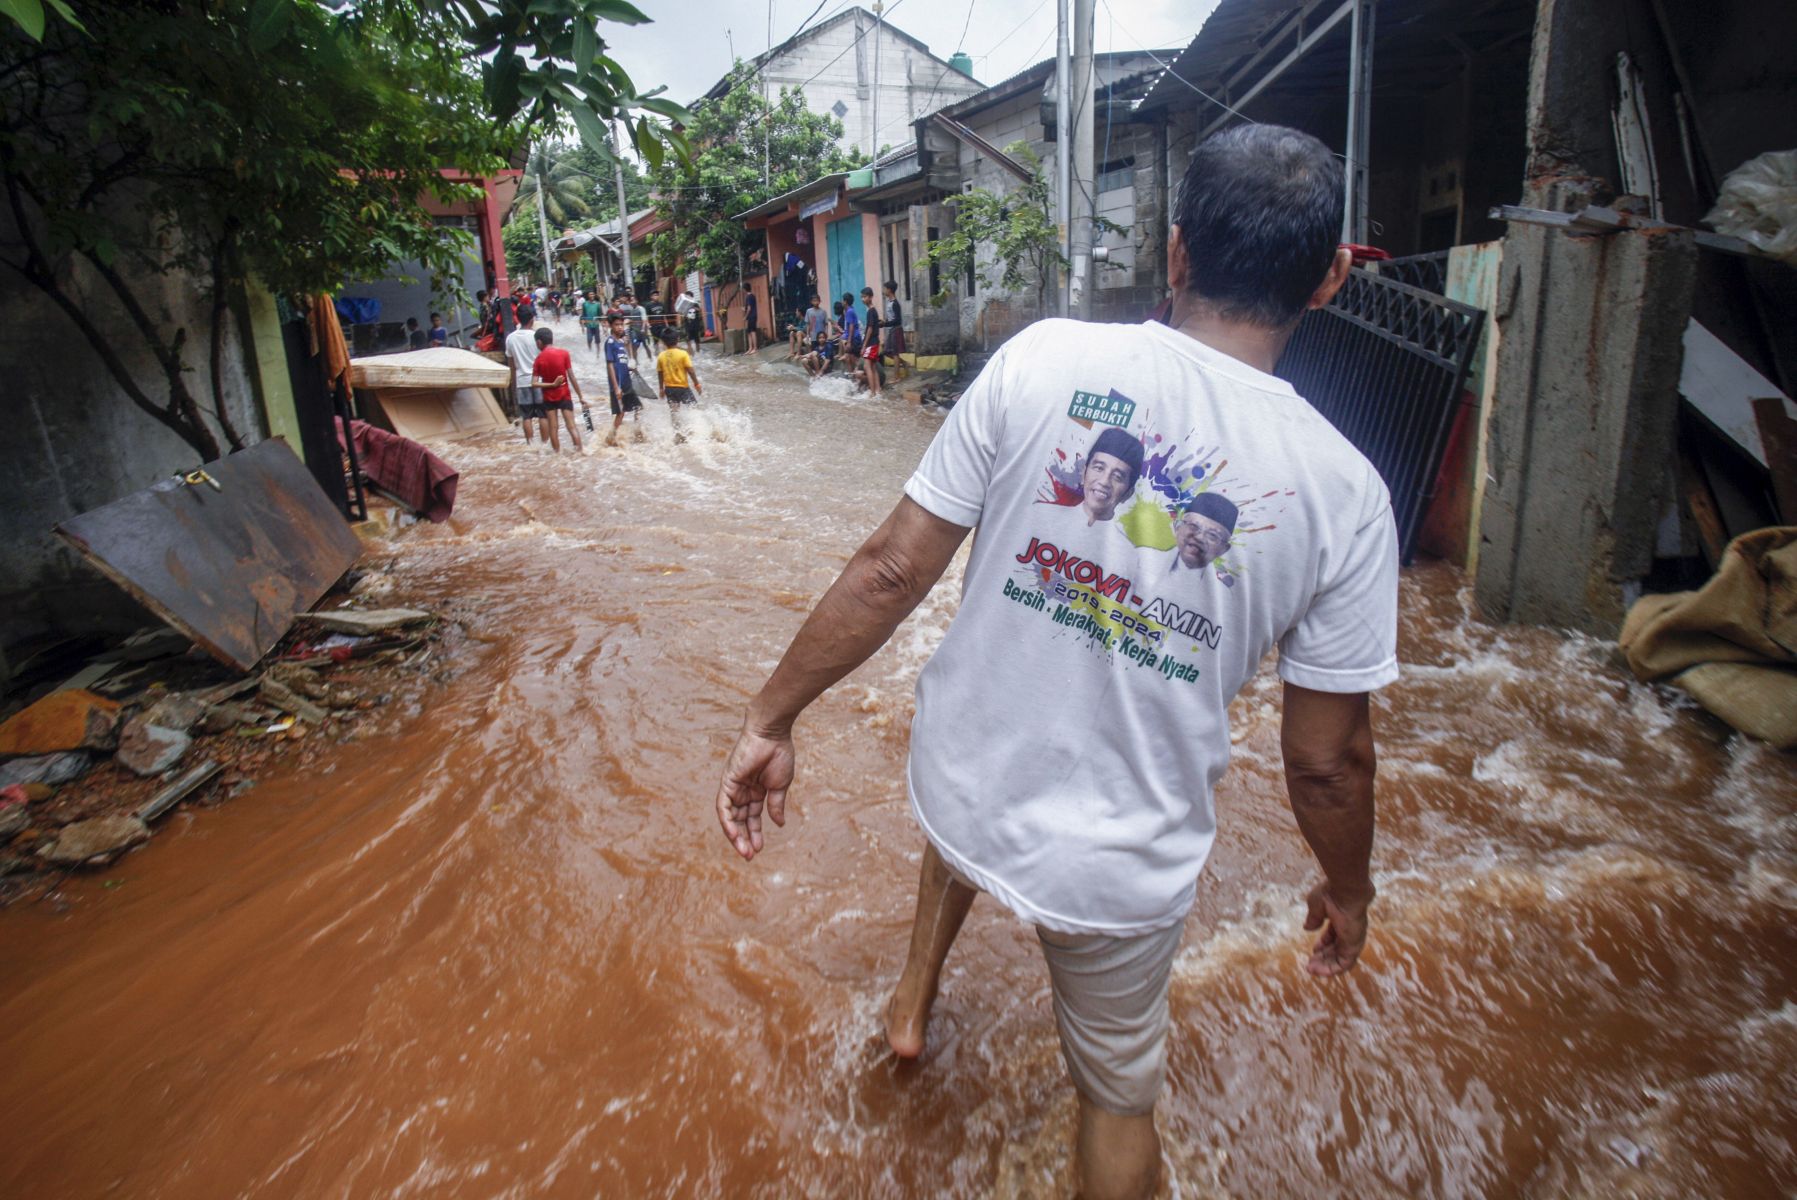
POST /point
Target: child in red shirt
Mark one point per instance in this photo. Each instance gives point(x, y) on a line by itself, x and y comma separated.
point(554, 375)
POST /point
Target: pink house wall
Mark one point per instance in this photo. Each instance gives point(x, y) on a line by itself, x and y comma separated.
point(870, 252)
point(820, 244)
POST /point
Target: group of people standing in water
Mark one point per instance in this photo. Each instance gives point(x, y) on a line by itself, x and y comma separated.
point(820, 338)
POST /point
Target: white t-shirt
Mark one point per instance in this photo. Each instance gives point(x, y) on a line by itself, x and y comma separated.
point(1073, 723)
point(521, 349)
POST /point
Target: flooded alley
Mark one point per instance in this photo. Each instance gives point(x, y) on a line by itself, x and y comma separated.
point(497, 947)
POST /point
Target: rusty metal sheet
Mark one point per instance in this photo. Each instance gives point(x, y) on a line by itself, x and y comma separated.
point(231, 567)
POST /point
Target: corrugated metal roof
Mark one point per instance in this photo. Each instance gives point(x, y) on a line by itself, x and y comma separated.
point(1410, 39)
point(1041, 76)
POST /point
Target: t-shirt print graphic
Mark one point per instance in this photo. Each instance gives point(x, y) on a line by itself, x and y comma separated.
point(1131, 536)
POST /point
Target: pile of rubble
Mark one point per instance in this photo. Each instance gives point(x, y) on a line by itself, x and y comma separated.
point(89, 765)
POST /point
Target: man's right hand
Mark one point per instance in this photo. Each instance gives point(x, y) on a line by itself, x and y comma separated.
point(1344, 927)
point(756, 776)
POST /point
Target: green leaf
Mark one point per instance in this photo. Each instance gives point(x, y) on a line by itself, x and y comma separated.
point(666, 108)
point(592, 129)
point(29, 14)
point(269, 20)
point(502, 86)
point(618, 11)
point(67, 14)
point(586, 46)
point(647, 144)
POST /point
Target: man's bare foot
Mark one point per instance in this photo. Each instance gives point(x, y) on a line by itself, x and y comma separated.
point(908, 1016)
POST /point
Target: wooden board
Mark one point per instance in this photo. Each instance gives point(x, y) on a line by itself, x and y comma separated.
point(1778, 435)
point(439, 367)
point(1722, 386)
point(228, 568)
point(422, 414)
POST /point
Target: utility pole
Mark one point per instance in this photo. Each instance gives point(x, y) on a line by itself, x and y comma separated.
point(1085, 173)
point(762, 72)
point(617, 159)
point(1063, 143)
point(543, 226)
point(873, 137)
point(1360, 104)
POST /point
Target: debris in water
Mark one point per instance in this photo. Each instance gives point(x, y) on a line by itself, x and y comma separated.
point(151, 749)
point(374, 620)
point(177, 791)
point(45, 768)
point(72, 719)
point(99, 840)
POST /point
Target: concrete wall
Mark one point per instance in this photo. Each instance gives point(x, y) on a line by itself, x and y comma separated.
point(1581, 439)
point(1128, 292)
point(78, 442)
point(1122, 293)
point(935, 328)
point(989, 315)
point(834, 68)
point(1582, 422)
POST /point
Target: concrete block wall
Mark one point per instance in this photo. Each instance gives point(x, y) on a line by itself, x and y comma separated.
point(936, 328)
point(834, 67)
point(1582, 421)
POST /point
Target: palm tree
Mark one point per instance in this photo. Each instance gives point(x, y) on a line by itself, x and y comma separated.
point(567, 189)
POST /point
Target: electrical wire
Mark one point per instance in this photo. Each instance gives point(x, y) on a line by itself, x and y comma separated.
point(1014, 29)
point(806, 21)
point(940, 76)
point(1168, 68)
point(960, 42)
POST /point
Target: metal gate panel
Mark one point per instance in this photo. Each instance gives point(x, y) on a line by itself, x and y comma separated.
point(1385, 362)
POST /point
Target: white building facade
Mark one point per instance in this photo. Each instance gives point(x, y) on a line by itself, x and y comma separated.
point(874, 78)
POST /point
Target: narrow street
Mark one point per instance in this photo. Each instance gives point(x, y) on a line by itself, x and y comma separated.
point(500, 948)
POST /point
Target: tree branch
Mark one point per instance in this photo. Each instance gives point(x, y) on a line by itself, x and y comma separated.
point(219, 309)
point(182, 420)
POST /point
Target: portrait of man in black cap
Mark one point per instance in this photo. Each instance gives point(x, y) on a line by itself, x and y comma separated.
point(1109, 477)
point(1202, 531)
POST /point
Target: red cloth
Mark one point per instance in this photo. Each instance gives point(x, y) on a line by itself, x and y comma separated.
point(554, 363)
point(405, 470)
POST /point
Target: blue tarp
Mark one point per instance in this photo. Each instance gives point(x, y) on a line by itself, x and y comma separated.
point(358, 310)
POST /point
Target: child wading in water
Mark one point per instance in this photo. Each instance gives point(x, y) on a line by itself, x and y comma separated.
point(553, 373)
point(679, 379)
point(617, 375)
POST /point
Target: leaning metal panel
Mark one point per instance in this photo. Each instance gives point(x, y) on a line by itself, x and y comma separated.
point(1385, 363)
point(227, 555)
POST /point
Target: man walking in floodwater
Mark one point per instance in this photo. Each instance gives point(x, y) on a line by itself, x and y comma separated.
point(1091, 817)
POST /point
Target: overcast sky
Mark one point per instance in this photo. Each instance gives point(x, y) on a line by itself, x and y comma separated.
point(686, 46)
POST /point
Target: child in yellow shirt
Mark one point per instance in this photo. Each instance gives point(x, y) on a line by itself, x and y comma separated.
point(679, 378)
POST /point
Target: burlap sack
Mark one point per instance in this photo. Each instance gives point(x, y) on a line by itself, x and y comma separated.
point(1732, 644)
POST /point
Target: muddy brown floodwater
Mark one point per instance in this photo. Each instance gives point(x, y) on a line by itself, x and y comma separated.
point(502, 951)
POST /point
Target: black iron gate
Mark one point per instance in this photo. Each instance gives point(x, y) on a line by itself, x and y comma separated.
point(1386, 362)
